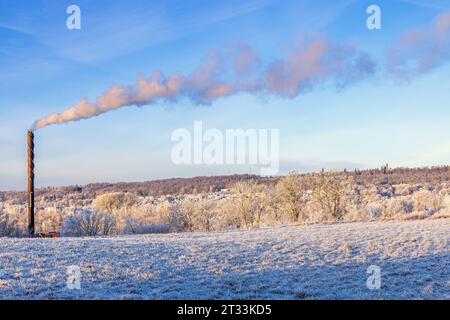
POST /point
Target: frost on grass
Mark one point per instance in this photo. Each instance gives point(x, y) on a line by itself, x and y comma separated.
point(312, 262)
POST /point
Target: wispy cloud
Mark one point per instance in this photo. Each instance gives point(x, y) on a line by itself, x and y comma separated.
point(422, 50)
point(229, 12)
point(14, 28)
point(106, 36)
point(432, 4)
point(118, 30)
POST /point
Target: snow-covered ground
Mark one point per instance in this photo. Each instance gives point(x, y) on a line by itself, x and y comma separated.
point(313, 262)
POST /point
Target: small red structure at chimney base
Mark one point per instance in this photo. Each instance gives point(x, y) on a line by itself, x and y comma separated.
point(51, 234)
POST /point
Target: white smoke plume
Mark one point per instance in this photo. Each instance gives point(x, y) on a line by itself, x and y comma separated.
point(310, 64)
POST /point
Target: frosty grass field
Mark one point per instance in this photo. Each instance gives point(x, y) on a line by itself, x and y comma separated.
point(312, 262)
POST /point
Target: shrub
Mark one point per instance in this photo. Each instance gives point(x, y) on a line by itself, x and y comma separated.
point(203, 215)
point(8, 226)
point(427, 201)
point(86, 222)
point(129, 220)
point(193, 214)
point(178, 220)
point(132, 225)
point(162, 213)
point(397, 207)
point(226, 216)
point(446, 204)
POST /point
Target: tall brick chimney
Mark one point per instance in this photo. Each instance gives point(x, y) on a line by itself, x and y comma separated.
point(30, 183)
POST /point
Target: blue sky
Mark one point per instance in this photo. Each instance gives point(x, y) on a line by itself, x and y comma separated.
point(383, 117)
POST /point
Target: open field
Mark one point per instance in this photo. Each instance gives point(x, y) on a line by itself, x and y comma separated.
point(312, 262)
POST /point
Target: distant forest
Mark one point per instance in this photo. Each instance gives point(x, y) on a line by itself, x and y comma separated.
point(196, 185)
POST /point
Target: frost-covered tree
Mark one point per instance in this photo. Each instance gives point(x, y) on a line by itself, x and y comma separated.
point(226, 216)
point(197, 213)
point(332, 191)
point(178, 220)
point(49, 219)
point(290, 193)
point(205, 213)
point(247, 201)
point(8, 226)
point(109, 202)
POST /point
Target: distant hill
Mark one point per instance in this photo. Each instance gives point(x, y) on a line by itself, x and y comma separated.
point(148, 188)
point(216, 183)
